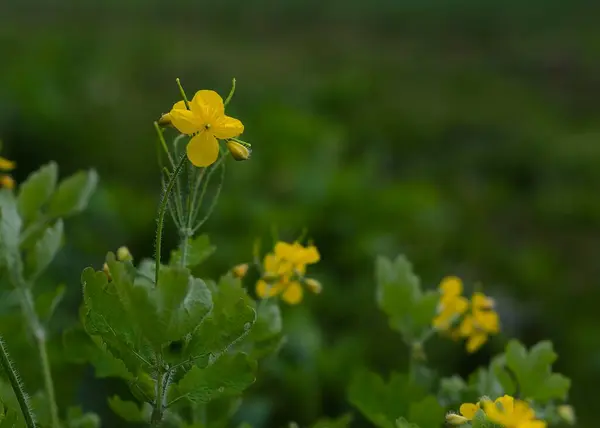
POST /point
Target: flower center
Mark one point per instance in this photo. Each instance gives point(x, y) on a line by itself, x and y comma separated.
point(207, 126)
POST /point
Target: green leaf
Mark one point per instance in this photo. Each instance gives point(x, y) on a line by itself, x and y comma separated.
point(340, 422)
point(231, 320)
point(403, 423)
point(532, 372)
point(384, 403)
point(229, 375)
point(46, 303)
point(73, 194)
point(81, 348)
point(266, 335)
point(10, 223)
point(45, 249)
point(36, 191)
point(399, 295)
point(199, 249)
point(127, 410)
point(77, 419)
point(107, 317)
point(452, 390)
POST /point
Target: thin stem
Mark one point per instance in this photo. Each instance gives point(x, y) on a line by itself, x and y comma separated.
point(161, 215)
point(182, 92)
point(163, 143)
point(41, 341)
point(214, 201)
point(158, 409)
point(231, 92)
point(17, 386)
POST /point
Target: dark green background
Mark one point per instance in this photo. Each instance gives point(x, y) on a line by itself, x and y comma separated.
point(464, 134)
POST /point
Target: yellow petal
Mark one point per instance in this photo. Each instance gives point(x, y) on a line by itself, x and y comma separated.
point(185, 121)
point(240, 271)
point(468, 410)
point(475, 342)
point(6, 165)
point(466, 326)
point(203, 149)
point(494, 414)
point(226, 127)
point(532, 424)
point(451, 286)
point(208, 105)
point(265, 290)
point(507, 403)
point(179, 105)
point(481, 301)
point(284, 250)
point(310, 255)
point(487, 321)
point(293, 293)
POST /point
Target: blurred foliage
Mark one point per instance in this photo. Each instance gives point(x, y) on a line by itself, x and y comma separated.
point(462, 134)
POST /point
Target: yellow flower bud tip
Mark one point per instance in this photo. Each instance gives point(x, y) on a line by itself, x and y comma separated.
point(455, 419)
point(313, 285)
point(566, 413)
point(106, 271)
point(240, 271)
point(7, 182)
point(165, 120)
point(123, 254)
point(238, 151)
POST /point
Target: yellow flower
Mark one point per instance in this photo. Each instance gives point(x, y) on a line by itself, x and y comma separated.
point(284, 271)
point(240, 271)
point(6, 181)
point(206, 121)
point(512, 413)
point(468, 410)
point(452, 304)
point(483, 321)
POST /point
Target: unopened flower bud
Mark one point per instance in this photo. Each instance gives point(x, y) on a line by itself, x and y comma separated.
point(165, 120)
point(455, 419)
point(238, 151)
point(123, 254)
point(240, 271)
point(106, 271)
point(7, 182)
point(313, 285)
point(566, 413)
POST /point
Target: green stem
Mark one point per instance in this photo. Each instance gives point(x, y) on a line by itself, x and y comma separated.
point(182, 92)
point(158, 409)
point(17, 386)
point(214, 200)
point(231, 92)
point(161, 214)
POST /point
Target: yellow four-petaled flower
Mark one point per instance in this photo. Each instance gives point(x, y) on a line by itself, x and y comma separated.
point(284, 271)
point(505, 411)
point(206, 122)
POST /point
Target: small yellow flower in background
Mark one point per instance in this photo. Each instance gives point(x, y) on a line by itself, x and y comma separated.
point(6, 181)
point(512, 413)
point(482, 322)
point(478, 319)
point(452, 303)
point(240, 271)
point(206, 121)
point(284, 271)
point(123, 254)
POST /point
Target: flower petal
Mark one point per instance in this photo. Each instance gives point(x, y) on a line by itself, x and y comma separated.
point(468, 410)
point(475, 342)
point(310, 255)
point(451, 286)
point(507, 403)
point(226, 127)
point(6, 165)
point(533, 424)
point(203, 149)
point(208, 104)
point(265, 290)
point(179, 105)
point(487, 320)
point(481, 301)
point(185, 121)
point(293, 293)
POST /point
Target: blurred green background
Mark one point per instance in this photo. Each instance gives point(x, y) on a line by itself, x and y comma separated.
point(464, 134)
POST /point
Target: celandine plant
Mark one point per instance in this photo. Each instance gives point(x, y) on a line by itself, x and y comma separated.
point(188, 347)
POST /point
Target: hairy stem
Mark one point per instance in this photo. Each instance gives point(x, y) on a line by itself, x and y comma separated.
point(161, 214)
point(17, 386)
